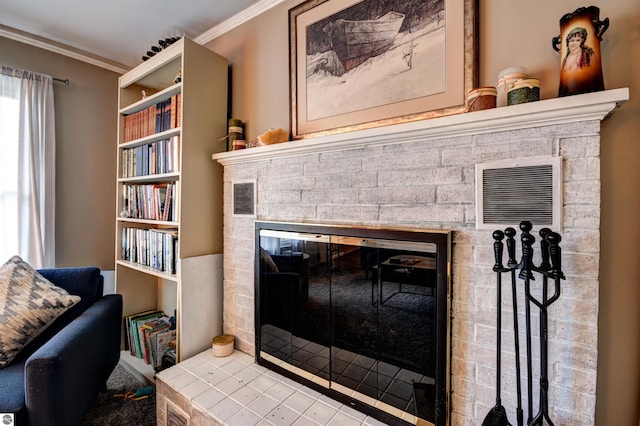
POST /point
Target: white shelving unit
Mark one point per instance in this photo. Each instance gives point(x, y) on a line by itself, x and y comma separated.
point(194, 291)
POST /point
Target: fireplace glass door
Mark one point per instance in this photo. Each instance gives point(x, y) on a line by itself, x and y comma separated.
point(362, 316)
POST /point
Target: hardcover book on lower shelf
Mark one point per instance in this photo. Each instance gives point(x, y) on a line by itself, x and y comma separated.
point(149, 334)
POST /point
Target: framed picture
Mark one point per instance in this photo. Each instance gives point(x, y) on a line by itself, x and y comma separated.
point(244, 198)
point(358, 64)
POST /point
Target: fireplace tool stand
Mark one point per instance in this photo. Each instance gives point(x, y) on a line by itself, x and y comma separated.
point(551, 269)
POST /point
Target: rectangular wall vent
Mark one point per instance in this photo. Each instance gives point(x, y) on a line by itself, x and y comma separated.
point(510, 191)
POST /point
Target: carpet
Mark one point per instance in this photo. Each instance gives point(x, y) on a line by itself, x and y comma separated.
point(112, 411)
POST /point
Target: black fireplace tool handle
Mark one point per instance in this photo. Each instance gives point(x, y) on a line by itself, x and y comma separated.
point(497, 416)
point(511, 265)
point(525, 267)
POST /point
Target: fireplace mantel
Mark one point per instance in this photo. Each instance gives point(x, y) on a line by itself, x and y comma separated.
point(570, 109)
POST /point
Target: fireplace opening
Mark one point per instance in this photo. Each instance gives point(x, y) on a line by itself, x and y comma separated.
point(359, 314)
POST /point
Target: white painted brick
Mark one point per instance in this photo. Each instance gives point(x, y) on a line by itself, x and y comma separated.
point(351, 153)
point(400, 195)
point(240, 172)
point(404, 160)
point(580, 288)
point(577, 147)
point(349, 213)
point(578, 332)
point(287, 183)
point(582, 169)
point(470, 215)
point(330, 196)
point(582, 216)
point(445, 175)
point(421, 213)
point(336, 165)
point(461, 156)
point(280, 197)
point(285, 166)
point(581, 264)
point(455, 194)
point(575, 380)
point(287, 212)
point(580, 240)
point(582, 192)
point(348, 179)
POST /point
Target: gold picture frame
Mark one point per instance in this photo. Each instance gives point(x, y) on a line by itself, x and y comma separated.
point(358, 64)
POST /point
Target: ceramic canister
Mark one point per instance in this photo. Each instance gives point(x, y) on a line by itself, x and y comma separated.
point(222, 345)
point(522, 91)
point(506, 78)
point(481, 98)
point(239, 144)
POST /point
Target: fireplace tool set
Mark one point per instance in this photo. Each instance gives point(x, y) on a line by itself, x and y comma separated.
point(550, 269)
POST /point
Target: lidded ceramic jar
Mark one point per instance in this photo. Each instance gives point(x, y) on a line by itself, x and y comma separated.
point(222, 345)
point(506, 78)
point(481, 98)
point(523, 91)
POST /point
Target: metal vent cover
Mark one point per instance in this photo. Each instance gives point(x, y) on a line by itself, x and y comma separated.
point(510, 191)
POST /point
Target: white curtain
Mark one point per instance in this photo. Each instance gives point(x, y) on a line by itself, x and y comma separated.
point(27, 167)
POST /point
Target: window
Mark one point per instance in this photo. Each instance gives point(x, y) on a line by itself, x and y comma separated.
point(8, 176)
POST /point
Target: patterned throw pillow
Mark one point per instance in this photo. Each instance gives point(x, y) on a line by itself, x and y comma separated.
point(28, 304)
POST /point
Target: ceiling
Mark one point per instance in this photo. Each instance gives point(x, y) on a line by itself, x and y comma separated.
point(120, 31)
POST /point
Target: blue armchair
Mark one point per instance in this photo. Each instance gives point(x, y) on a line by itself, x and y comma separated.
point(56, 378)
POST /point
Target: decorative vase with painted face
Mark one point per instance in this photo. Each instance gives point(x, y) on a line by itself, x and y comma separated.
point(579, 48)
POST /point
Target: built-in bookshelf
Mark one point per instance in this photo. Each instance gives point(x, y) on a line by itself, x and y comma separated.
point(172, 111)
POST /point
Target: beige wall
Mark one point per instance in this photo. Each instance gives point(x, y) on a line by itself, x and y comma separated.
point(85, 153)
point(512, 35)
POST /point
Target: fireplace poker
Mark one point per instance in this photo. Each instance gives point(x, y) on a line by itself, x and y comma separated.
point(497, 416)
point(511, 267)
point(526, 275)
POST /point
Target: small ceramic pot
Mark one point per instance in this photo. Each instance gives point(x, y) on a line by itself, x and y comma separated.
point(481, 98)
point(239, 144)
point(222, 345)
point(523, 91)
point(506, 78)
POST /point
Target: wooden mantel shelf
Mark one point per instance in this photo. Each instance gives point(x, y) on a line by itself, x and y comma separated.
point(570, 109)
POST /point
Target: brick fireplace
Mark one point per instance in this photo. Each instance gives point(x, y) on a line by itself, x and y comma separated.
point(421, 175)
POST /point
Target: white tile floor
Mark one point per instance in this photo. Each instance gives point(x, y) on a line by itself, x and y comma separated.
point(236, 391)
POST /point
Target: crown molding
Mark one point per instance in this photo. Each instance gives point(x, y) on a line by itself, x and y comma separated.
point(81, 55)
point(61, 49)
point(236, 20)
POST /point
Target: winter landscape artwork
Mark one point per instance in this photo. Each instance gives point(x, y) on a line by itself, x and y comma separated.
point(359, 64)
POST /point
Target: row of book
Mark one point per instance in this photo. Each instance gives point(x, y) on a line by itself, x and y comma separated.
point(153, 158)
point(150, 336)
point(156, 248)
point(157, 118)
point(155, 201)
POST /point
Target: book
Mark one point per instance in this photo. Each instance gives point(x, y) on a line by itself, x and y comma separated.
point(149, 329)
point(131, 326)
point(160, 344)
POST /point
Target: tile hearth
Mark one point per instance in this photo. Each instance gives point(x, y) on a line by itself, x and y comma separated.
point(234, 390)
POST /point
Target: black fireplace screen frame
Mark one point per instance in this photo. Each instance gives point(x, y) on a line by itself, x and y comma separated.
point(334, 239)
